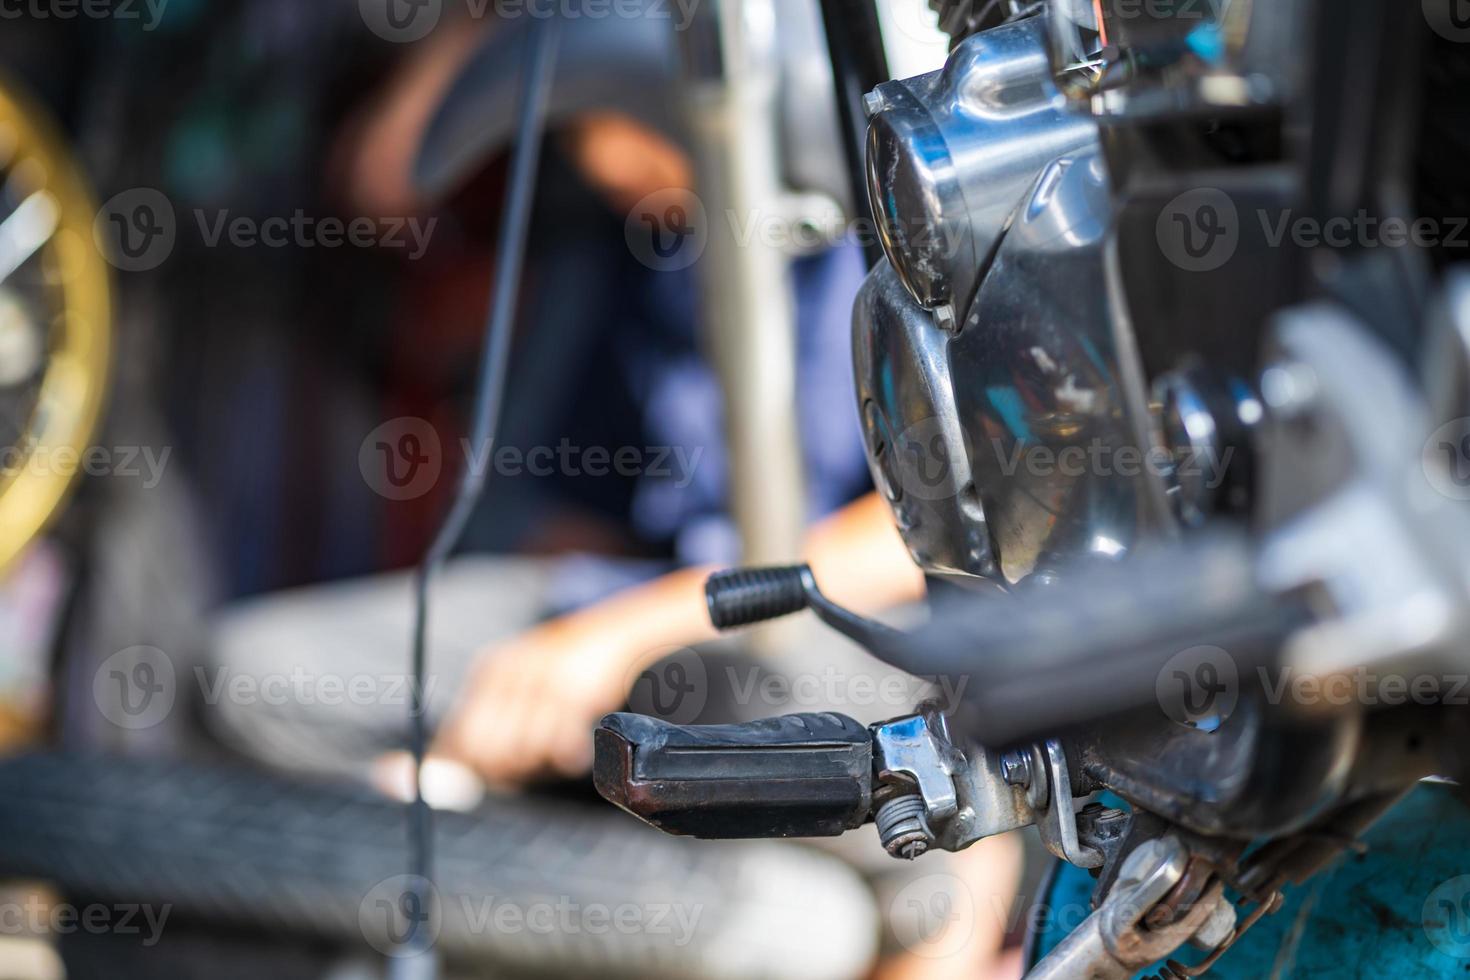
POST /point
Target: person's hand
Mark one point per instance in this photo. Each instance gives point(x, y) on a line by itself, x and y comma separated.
point(530, 705)
point(624, 160)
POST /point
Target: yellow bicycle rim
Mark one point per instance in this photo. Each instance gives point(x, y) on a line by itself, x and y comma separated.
point(51, 272)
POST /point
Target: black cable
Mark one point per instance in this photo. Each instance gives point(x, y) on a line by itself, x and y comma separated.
point(489, 398)
point(859, 65)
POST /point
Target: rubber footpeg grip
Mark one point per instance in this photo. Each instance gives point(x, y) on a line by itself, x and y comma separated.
point(746, 596)
point(808, 775)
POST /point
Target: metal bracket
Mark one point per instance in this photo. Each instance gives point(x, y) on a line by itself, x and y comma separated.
point(907, 749)
point(1057, 822)
point(965, 793)
point(1113, 942)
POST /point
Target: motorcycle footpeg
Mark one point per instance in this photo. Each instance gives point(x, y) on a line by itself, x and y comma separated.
point(808, 775)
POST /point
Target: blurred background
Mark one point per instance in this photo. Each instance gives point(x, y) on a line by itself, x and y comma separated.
point(297, 204)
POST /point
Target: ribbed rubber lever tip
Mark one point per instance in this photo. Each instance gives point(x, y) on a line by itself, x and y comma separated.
point(746, 596)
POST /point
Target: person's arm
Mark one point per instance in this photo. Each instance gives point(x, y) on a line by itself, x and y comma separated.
point(860, 561)
point(373, 160)
point(531, 703)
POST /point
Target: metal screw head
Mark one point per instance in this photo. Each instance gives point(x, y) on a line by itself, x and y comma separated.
point(902, 827)
point(1185, 429)
point(944, 318)
point(1289, 388)
point(1015, 767)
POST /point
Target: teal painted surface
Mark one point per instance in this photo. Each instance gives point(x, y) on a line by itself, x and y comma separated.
point(1399, 911)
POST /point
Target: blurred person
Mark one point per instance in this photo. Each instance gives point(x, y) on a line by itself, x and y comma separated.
point(513, 695)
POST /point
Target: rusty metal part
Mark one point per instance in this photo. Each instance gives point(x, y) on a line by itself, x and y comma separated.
point(1145, 945)
point(1183, 897)
point(1114, 943)
point(1174, 970)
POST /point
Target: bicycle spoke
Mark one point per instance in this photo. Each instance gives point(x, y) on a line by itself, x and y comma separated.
point(28, 227)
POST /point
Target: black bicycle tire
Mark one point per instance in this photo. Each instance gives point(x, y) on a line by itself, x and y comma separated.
point(252, 851)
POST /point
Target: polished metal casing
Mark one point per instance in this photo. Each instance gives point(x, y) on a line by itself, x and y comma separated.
point(1048, 389)
point(951, 153)
point(1015, 439)
point(916, 445)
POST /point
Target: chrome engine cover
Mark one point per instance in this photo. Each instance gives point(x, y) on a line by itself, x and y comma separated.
point(1016, 439)
point(951, 153)
point(916, 444)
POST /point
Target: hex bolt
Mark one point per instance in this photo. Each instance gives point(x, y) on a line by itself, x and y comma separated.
point(944, 318)
point(1015, 767)
point(1188, 432)
point(1289, 389)
point(1217, 929)
point(903, 828)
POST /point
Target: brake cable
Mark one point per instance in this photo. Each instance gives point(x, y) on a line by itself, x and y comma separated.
point(536, 82)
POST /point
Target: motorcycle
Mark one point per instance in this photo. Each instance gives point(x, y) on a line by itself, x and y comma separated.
point(1179, 437)
point(1165, 373)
